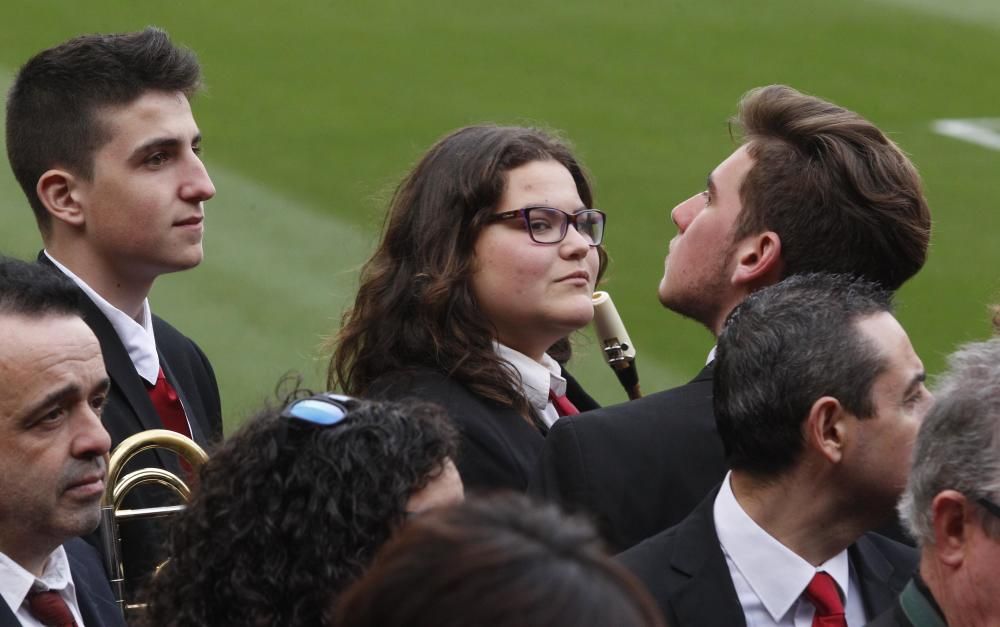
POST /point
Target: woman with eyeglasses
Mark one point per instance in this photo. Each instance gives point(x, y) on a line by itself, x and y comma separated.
point(490, 253)
point(291, 508)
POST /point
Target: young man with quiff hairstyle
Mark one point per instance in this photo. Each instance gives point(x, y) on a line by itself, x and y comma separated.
point(814, 187)
point(101, 137)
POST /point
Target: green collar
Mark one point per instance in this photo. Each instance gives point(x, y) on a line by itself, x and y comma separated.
point(918, 608)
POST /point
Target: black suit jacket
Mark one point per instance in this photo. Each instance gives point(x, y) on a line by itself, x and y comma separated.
point(499, 448)
point(129, 410)
point(685, 570)
point(638, 467)
point(93, 592)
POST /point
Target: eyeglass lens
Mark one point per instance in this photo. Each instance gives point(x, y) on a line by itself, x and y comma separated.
point(548, 226)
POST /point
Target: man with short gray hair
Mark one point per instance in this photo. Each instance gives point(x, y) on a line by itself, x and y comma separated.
point(952, 499)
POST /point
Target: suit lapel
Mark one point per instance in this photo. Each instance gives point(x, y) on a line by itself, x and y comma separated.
point(879, 580)
point(120, 368)
point(7, 617)
point(96, 608)
point(708, 596)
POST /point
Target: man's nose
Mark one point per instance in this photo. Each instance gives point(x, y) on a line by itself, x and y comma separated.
point(684, 213)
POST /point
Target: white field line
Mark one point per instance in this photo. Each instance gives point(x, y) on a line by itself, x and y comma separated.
point(985, 13)
point(983, 132)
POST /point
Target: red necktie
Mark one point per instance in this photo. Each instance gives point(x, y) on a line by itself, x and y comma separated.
point(168, 406)
point(822, 591)
point(50, 609)
point(564, 407)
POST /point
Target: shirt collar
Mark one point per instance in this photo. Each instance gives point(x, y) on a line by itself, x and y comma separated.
point(137, 338)
point(711, 355)
point(536, 378)
point(758, 556)
point(16, 582)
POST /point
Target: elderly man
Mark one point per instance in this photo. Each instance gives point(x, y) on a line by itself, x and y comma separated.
point(52, 445)
point(952, 500)
point(818, 398)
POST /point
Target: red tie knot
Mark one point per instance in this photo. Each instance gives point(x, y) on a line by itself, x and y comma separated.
point(822, 591)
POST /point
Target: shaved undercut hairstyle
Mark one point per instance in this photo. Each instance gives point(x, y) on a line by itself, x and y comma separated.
point(841, 195)
point(54, 106)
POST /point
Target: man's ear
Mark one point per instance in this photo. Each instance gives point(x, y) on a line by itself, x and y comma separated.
point(758, 261)
point(59, 192)
point(825, 429)
point(951, 515)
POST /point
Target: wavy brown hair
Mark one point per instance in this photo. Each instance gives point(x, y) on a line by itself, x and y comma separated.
point(415, 305)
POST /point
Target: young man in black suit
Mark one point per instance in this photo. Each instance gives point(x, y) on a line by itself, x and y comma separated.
point(814, 187)
point(101, 137)
point(53, 387)
point(818, 398)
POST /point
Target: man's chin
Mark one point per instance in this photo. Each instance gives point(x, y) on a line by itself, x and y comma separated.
point(664, 294)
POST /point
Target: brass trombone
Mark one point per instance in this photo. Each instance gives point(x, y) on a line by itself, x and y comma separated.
point(116, 487)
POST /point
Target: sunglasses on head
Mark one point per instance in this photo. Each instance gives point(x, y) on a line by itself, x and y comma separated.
point(322, 410)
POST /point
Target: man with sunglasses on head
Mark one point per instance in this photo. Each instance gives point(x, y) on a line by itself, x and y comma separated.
point(813, 188)
point(952, 499)
point(101, 137)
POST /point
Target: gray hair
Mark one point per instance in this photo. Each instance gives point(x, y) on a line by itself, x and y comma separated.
point(958, 447)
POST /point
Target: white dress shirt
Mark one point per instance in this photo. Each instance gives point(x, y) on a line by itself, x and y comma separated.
point(770, 579)
point(536, 380)
point(16, 583)
point(137, 338)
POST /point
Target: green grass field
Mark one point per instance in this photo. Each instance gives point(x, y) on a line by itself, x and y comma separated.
point(314, 110)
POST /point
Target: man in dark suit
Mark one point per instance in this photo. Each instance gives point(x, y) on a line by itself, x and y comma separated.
point(952, 499)
point(53, 387)
point(813, 188)
point(818, 398)
point(101, 137)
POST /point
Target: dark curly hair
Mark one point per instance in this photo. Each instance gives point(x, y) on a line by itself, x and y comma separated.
point(415, 305)
point(500, 561)
point(286, 516)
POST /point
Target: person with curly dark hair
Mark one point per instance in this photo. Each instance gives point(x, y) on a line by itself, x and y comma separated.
point(292, 507)
point(488, 261)
point(496, 562)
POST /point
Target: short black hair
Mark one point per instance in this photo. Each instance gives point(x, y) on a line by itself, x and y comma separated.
point(33, 290)
point(783, 348)
point(52, 108)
